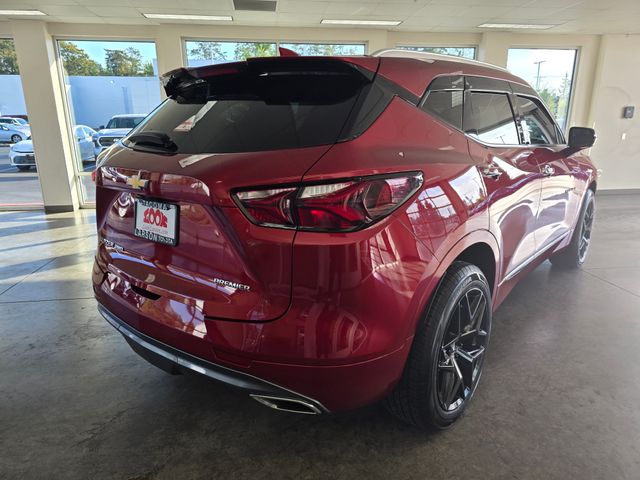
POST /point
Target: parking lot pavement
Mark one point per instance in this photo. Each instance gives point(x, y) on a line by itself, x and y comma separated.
point(21, 189)
point(17, 189)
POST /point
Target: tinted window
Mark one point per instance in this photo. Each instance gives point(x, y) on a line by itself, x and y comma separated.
point(124, 122)
point(489, 118)
point(257, 111)
point(445, 105)
point(537, 126)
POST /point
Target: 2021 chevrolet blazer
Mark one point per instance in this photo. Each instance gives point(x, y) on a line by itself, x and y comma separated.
point(326, 232)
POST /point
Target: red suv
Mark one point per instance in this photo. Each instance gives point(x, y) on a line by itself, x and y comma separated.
point(327, 232)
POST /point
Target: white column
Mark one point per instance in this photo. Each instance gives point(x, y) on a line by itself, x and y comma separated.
point(169, 50)
point(494, 48)
point(44, 100)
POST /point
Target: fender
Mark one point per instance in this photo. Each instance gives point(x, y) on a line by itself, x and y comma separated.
point(426, 292)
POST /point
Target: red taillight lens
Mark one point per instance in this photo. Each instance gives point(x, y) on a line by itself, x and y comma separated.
point(269, 207)
point(336, 207)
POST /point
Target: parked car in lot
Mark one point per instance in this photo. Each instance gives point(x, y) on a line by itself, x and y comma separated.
point(11, 133)
point(20, 122)
point(326, 232)
point(21, 154)
point(117, 128)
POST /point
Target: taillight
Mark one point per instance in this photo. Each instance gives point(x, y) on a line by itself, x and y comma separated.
point(343, 206)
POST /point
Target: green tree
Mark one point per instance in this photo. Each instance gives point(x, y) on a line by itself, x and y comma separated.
point(207, 51)
point(77, 62)
point(125, 63)
point(323, 49)
point(245, 50)
point(147, 70)
point(550, 98)
point(8, 58)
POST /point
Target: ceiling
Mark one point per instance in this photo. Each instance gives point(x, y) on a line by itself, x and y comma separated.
point(569, 16)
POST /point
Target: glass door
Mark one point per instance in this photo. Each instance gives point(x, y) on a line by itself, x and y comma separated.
point(110, 87)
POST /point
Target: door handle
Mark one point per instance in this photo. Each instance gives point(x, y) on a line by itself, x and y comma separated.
point(491, 171)
point(548, 170)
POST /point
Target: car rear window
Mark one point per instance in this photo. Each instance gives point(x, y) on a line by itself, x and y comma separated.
point(124, 122)
point(257, 110)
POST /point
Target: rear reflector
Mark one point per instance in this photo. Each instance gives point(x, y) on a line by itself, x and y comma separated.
point(330, 207)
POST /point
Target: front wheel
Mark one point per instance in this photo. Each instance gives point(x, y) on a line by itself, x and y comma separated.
point(16, 138)
point(575, 254)
point(23, 168)
point(447, 356)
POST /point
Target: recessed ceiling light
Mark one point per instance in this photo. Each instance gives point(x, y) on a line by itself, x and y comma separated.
point(208, 18)
point(361, 22)
point(535, 26)
point(21, 12)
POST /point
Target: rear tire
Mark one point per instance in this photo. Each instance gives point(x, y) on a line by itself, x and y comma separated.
point(446, 359)
point(23, 168)
point(575, 254)
point(16, 138)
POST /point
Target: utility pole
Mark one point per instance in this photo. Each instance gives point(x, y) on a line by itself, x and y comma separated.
point(539, 62)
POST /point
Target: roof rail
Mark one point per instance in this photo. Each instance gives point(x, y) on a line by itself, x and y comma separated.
point(431, 57)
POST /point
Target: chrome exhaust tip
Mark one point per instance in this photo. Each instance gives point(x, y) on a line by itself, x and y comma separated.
point(283, 404)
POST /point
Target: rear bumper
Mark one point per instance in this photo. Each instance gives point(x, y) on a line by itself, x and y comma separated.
point(176, 361)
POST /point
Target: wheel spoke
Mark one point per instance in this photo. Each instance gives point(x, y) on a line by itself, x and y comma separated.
point(452, 392)
point(462, 349)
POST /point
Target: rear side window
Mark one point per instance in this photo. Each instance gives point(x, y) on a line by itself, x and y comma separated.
point(489, 118)
point(256, 110)
point(537, 126)
point(445, 105)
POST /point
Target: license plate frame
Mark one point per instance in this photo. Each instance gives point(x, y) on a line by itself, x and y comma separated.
point(157, 221)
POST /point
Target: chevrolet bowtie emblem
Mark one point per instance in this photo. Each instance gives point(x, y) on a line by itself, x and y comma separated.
point(135, 181)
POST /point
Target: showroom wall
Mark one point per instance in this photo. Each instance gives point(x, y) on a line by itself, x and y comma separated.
point(617, 151)
point(598, 72)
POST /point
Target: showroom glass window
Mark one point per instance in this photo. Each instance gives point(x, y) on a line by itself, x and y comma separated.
point(551, 72)
point(20, 185)
point(326, 49)
point(207, 52)
point(110, 86)
point(464, 52)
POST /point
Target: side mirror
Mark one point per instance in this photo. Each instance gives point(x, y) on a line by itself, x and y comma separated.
point(581, 137)
point(101, 127)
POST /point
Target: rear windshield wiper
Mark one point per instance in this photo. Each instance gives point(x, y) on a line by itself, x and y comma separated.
point(155, 141)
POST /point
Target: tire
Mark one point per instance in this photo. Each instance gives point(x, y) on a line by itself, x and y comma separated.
point(575, 254)
point(440, 357)
point(23, 168)
point(16, 138)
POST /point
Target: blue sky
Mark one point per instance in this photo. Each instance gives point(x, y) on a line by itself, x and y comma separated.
point(556, 63)
point(95, 48)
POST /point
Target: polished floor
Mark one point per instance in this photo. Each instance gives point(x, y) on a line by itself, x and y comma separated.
point(560, 396)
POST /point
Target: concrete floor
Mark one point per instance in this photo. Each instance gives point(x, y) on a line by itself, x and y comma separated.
point(560, 395)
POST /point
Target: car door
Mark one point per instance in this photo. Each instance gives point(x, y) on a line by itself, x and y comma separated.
point(544, 145)
point(5, 134)
point(513, 181)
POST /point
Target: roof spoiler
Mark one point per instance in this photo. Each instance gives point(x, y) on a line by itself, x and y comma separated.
point(183, 78)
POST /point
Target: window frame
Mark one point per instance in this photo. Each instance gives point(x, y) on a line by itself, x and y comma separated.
point(538, 101)
point(510, 88)
point(508, 95)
